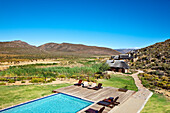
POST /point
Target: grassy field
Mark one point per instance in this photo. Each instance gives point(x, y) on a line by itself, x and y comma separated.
point(12, 95)
point(157, 104)
point(31, 70)
point(120, 81)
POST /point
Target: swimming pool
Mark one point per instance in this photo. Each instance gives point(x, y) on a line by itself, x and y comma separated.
point(58, 103)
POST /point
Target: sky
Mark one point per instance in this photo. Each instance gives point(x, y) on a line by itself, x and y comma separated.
point(107, 23)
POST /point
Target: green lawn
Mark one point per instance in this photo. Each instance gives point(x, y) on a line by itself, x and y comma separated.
point(120, 81)
point(157, 104)
point(12, 95)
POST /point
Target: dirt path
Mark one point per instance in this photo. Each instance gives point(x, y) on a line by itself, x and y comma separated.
point(135, 103)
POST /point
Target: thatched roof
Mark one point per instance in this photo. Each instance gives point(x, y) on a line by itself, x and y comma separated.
point(118, 64)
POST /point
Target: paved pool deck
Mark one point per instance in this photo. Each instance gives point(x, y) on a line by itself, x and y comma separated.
point(96, 95)
point(130, 101)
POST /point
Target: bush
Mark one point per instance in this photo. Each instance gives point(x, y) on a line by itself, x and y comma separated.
point(2, 83)
point(52, 79)
point(37, 80)
point(82, 76)
point(92, 80)
point(3, 79)
point(28, 78)
point(164, 78)
point(84, 79)
point(49, 81)
point(19, 79)
point(74, 76)
point(97, 76)
point(11, 81)
point(62, 76)
point(104, 67)
point(22, 81)
point(101, 77)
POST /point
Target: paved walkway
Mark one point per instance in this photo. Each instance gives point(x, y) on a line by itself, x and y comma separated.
point(136, 102)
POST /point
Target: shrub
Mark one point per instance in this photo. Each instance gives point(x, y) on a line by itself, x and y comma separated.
point(92, 79)
point(168, 86)
point(37, 80)
point(62, 76)
point(84, 79)
point(82, 76)
point(2, 83)
point(49, 80)
point(11, 81)
point(34, 80)
point(52, 79)
point(164, 78)
point(97, 76)
point(74, 76)
point(19, 79)
point(22, 81)
point(3, 79)
point(28, 78)
point(101, 77)
point(104, 67)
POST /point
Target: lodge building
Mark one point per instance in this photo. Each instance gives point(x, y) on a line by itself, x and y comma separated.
point(118, 64)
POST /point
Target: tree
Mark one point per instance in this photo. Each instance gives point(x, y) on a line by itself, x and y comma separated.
point(104, 67)
point(45, 75)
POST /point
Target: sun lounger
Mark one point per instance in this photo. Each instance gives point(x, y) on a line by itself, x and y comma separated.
point(85, 84)
point(98, 87)
point(92, 86)
point(122, 90)
point(115, 101)
point(95, 111)
point(108, 103)
point(110, 99)
point(79, 83)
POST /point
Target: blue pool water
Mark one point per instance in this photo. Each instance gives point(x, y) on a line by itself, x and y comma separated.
point(58, 103)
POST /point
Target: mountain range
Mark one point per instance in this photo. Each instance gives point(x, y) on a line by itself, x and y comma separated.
point(20, 47)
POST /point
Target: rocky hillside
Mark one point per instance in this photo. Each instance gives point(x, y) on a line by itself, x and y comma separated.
point(155, 61)
point(77, 48)
point(20, 47)
point(154, 57)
